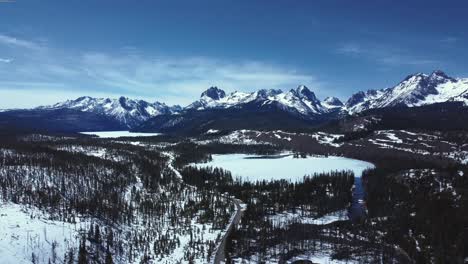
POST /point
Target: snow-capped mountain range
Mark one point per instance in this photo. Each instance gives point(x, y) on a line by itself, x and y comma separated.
point(301, 100)
point(127, 111)
point(415, 90)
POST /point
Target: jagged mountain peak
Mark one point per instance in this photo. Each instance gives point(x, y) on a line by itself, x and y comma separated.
point(303, 92)
point(300, 100)
point(214, 93)
point(360, 97)
point(128, 104)
point(82, 98)
point(441, 76)
point(415, 90)
point(415, 76)
point(265, 93)
point(302, 89)
point(436, 76)
point(332, 101)
point(440, 73)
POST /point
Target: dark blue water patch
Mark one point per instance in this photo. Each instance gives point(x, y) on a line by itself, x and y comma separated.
point(358, 210)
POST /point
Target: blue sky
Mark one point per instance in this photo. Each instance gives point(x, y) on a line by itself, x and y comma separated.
point(171, 51)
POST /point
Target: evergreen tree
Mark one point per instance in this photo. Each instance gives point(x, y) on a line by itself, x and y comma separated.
point(82, 253)
point(97, 234)
point(109, 258)
point(71, 256)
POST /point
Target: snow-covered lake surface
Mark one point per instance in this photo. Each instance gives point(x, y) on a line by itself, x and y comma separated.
point(253, 168)
point(117, 134)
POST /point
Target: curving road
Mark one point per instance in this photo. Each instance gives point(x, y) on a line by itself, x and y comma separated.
point(220, 256)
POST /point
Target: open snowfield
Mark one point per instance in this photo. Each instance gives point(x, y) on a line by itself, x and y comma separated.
point(117, 134)
point(253, 168)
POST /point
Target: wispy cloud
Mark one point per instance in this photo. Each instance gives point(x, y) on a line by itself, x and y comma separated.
point(21, 43)
point(350, 49)
point(5, 60)
point(449, 40)
point(175, 80)
point(383, 54)
point(187, 74)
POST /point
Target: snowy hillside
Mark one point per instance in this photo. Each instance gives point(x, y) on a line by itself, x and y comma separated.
point(127, 111)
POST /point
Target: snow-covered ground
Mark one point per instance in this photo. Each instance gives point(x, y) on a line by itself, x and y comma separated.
point(391, 137)
point(323, 255)
point(254, 168)
point(207, 234)
point(327, 139)
point(254, 137)
point(419, 143)
point(286, 218)
point(322, 258)
point(90, 151)
point(240, 137)
point(117, 134)
point(26, 232)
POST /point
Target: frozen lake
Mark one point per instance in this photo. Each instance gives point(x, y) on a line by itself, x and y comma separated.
point(117, 134)
point(253, 168)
